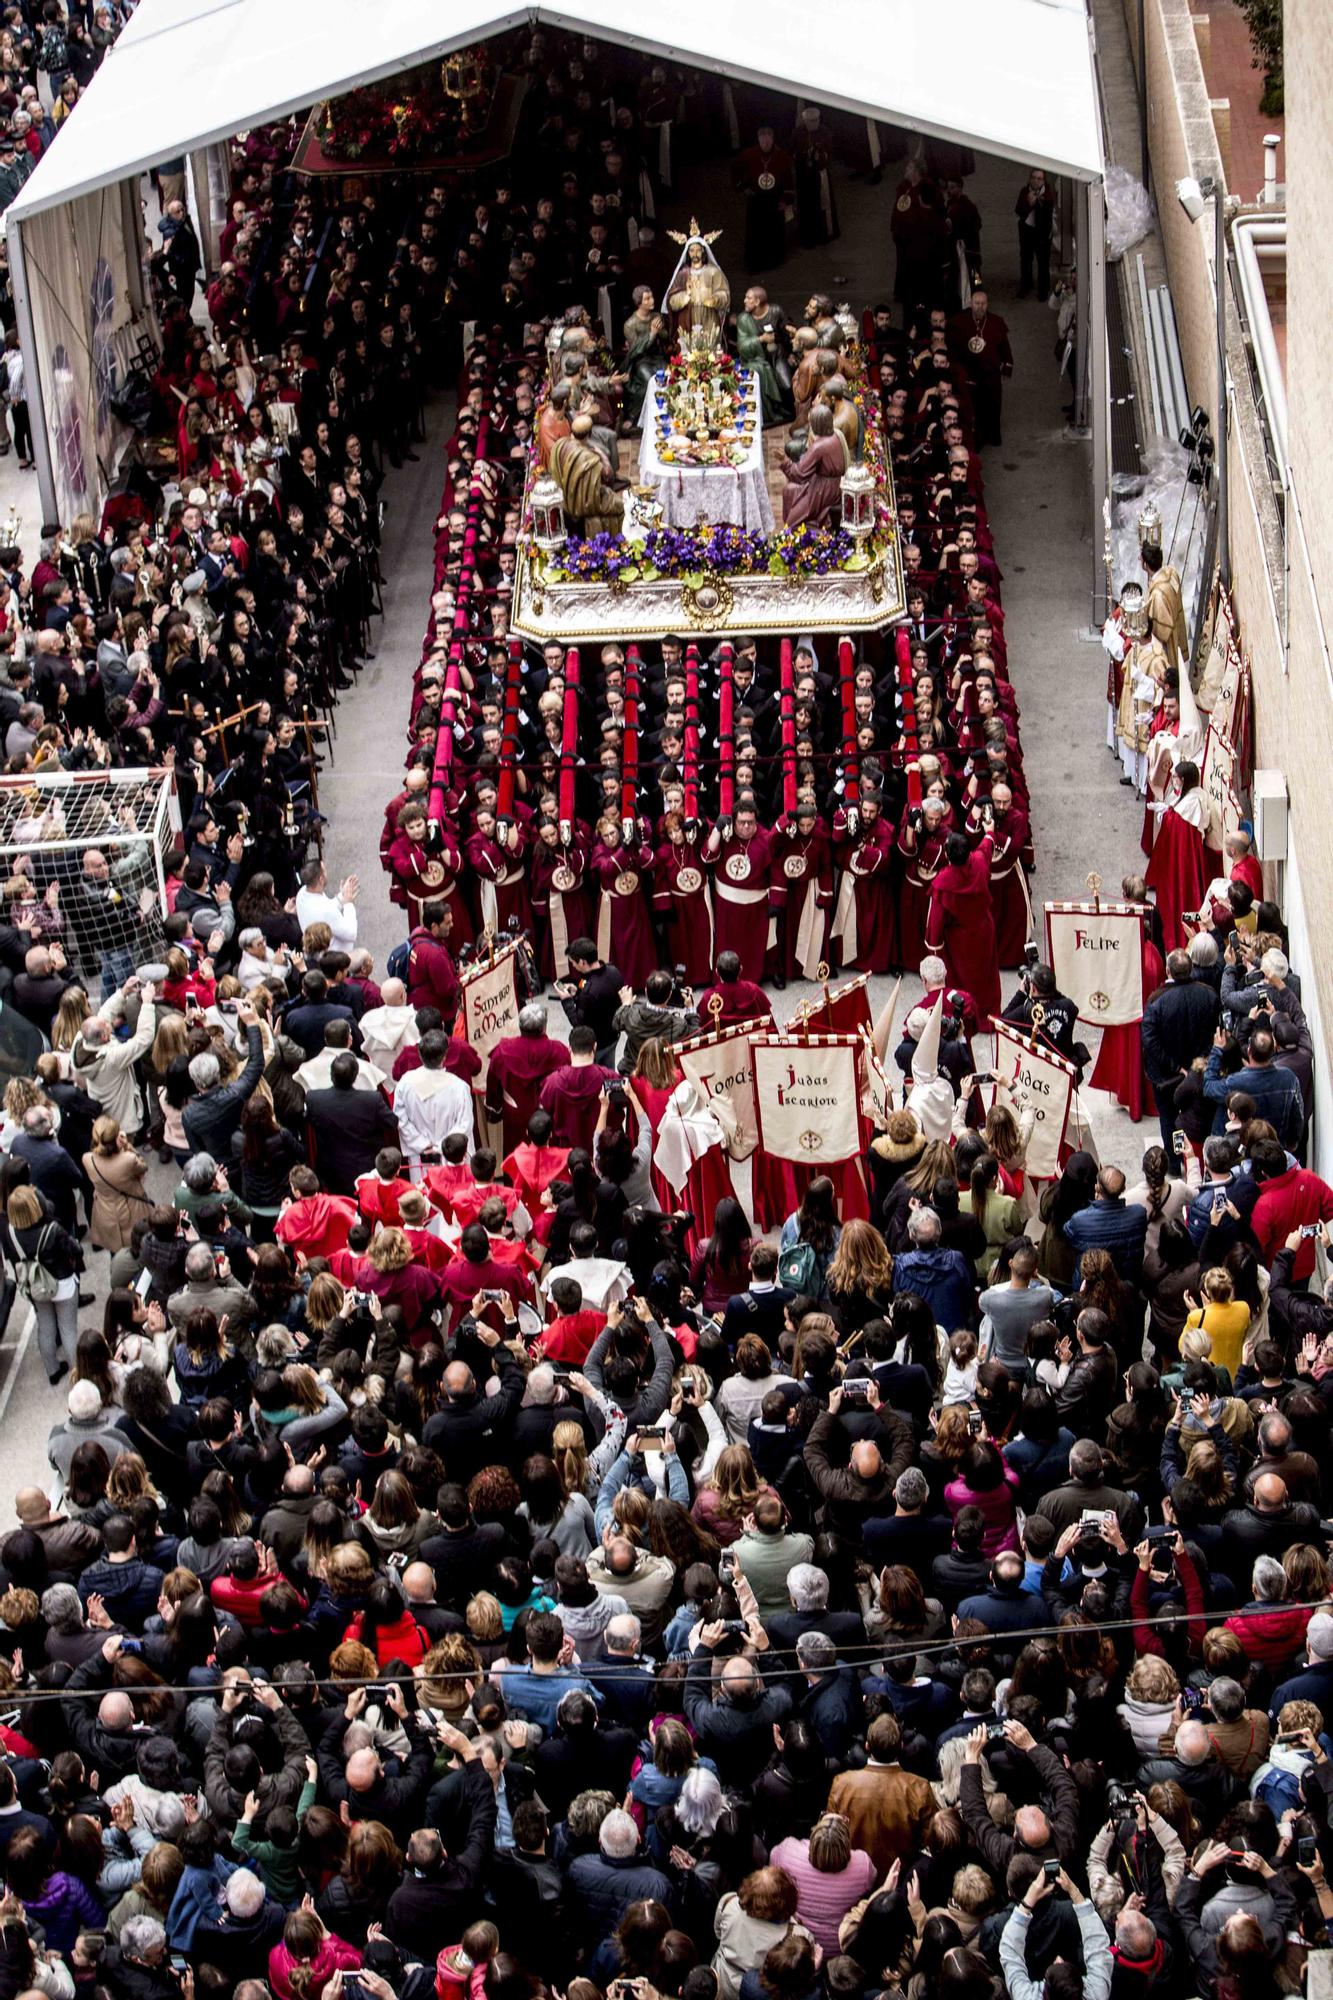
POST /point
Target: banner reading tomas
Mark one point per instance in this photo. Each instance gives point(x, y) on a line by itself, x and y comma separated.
point(490, 1008)
point(1042, 1081)
point(807, 1098)
point(1096, 955)
point(720, 1068)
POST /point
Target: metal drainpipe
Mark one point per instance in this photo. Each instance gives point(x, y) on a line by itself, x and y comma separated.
point(1248, 232)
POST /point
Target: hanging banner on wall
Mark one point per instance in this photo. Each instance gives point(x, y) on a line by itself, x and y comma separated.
point(1095, 951)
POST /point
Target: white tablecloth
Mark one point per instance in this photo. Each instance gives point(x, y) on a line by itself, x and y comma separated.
point(690, 493)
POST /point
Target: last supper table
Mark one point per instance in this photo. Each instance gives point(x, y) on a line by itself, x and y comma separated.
point(714, 477)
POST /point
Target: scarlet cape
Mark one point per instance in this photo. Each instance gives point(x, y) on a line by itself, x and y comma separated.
point(1178, 871)
point(961, 927)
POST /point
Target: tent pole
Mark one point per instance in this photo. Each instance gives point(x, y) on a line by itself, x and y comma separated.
point(132, 224)
point(36, 387)
point(1082, 307)
point(1100, 391)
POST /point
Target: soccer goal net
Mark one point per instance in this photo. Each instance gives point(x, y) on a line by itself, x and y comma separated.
point(83, 865)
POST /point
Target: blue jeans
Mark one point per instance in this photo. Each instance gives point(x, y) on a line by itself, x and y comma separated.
point(117, 965)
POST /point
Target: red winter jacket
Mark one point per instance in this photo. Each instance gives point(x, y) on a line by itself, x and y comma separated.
point(1293, 1198)
point(1272, 1634)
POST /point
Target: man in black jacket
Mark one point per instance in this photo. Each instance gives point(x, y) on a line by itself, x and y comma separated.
point(369, 1790)
point(1268, 1526)
point(439, 1890)
point(214, 1114)
point(733, 1718)
point(592, 996)
point(349, 1127)
point(1178, 1024)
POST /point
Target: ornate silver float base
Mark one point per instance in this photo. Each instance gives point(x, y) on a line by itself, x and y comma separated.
point(707, 605)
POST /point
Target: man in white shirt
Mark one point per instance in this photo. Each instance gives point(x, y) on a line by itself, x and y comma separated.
point(430, 1103)
point(389, 1029)
point(314, 905)
point(317, 1073)
point(604, 1281)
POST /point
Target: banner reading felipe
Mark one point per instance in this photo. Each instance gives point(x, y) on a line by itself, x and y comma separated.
point(1096, 955)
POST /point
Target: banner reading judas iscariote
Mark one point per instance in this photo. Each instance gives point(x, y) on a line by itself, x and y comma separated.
point(807, 1099)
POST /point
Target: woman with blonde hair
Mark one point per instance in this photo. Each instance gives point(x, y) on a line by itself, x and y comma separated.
point(22, 1095)
point(443, 1676)
point(74, 1009)
point(1222, 1316)
point(724, 1500)
point(47, 1261)
point(1148, 1709)
point(117, 1176)
point(1007, 1137)
point(569, 1450)
point(485, 1626)
point(860, 1277)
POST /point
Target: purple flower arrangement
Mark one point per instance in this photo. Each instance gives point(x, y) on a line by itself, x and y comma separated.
point(725, 549)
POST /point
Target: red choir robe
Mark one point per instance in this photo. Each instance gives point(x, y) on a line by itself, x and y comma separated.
point(573, 1096)
point(654, 1099)
point(316, 1225)
point(741, 871)
point(962, 930)
point(865, 917)
point(624, 929)
point(1247, 869)
point(378, 1200)
point(419, 875)
point(1119, 1065)
point(803, 892)
point(1009, 902)
point(1178, 872)
point(742, 1000)
point(683, 902)
point(519, 1066)
point(502, 881)
point(558, 881)
point(532, 1169)
point(919, 872)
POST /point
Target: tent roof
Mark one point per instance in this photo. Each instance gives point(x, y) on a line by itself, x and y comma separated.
point(1013, 77)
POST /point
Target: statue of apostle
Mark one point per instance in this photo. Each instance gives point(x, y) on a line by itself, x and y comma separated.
point(580, 472)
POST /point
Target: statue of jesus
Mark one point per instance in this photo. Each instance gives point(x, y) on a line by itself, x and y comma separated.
point(698, 294)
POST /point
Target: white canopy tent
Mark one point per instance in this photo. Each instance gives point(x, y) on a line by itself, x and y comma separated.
point(1013, 77)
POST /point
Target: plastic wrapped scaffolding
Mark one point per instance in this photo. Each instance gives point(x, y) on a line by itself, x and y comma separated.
point(1129, 212)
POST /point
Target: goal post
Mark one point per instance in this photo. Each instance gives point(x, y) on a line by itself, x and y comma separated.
point(83, 864)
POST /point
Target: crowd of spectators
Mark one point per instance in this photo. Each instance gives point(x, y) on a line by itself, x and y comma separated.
point(463, 1572)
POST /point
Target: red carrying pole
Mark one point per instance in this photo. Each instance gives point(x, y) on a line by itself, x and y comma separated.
point(504, 790)
point(444, 747)
point(690, 759)
point(847, 682)
point(726, 711)
point(903, 646)
point(569, 742)
point(787, 713)
point(629, 761)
